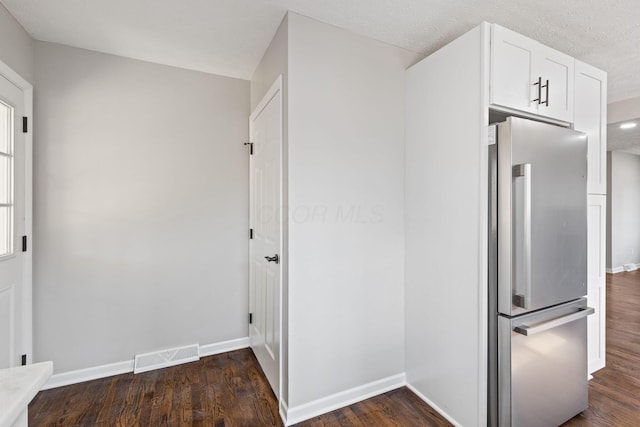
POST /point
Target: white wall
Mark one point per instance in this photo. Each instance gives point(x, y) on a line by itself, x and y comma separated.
point(446, 220)
point(624, 218)
point(141, 207)
point(346, 229)
point(16, 46)
point(628, 109)
point(274, 62)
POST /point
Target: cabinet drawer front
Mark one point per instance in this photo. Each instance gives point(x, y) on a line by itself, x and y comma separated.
point(543, 375)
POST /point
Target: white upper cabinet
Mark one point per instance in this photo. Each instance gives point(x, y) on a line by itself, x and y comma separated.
point(591, 118)
point(556, 71)
point(529, 76)
point(512, 65)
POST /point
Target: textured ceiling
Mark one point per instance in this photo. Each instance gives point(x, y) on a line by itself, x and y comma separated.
point(228, 37)
point(627, 140)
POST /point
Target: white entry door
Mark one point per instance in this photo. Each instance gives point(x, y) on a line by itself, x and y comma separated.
point(265, 290)
point(13, 295)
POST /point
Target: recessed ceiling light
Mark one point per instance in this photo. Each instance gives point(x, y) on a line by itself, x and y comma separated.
point(628, 125)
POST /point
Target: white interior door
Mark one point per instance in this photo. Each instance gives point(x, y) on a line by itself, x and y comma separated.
point(265, 127)
point(13, 295)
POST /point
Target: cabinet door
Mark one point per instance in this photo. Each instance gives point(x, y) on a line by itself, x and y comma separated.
point(530, 77)
point(512, 57)
point(591, 118)
point(557, 73)
point(596, 280)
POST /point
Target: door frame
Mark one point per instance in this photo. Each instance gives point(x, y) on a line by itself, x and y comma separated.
point(275, 89)
point(27, 258)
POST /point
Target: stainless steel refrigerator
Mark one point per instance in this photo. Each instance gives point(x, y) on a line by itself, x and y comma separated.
point(537, 274)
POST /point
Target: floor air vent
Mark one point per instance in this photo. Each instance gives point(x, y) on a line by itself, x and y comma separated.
point(165, 358)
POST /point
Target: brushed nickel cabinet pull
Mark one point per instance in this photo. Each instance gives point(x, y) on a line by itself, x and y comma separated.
point(546, 86)
point(539, 84)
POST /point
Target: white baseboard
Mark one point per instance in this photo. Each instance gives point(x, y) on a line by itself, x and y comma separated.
point(596, 366)
point(339, 400)
point(224, 346)
point(616, 270)
point(283, 411)
point(109, 370)
point(434, 406)
point(87, 374)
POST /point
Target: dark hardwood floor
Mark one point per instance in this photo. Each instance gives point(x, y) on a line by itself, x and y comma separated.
point(230, 389)
point(614, 391)
point(398, 408)
point(219, 391)
point(223, 390)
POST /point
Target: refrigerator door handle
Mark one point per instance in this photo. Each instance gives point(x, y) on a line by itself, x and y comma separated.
point(524, 170)
point(545, 326)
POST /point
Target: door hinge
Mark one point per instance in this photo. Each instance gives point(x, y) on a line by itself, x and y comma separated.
point(251, 233)
point(250, 318)
point(250, 144)
point(24, 243)
point(25, 124)
point(24, 359)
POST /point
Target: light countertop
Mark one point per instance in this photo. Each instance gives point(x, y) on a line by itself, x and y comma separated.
point(18, 386)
